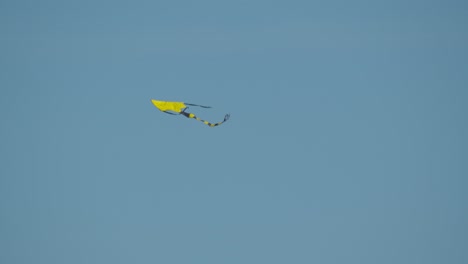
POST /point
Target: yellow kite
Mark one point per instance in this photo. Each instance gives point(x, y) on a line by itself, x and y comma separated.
point(178, 108)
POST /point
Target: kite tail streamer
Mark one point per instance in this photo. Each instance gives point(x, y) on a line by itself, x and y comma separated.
point(198, 105)
point(190, 115)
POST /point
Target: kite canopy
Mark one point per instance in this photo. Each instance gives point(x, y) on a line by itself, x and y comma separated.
point(175, 108)
point(169, 106)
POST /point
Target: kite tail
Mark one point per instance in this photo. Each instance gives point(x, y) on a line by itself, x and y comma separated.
point(204, 106)
point(190, 115)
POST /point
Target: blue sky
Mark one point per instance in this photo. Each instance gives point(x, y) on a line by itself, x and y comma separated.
point(347, 140)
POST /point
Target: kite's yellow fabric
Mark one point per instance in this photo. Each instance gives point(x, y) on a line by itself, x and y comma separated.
point(169, 106)
point(180, 107)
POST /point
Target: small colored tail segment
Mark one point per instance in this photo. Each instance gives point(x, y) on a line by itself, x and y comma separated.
point(190, 115)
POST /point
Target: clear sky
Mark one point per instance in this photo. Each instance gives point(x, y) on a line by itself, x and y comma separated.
point(347, 141)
